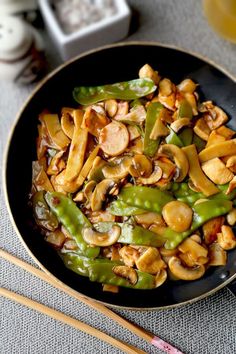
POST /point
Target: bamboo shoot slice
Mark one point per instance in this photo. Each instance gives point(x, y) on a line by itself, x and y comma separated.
point(218, 150)
point(196, 174)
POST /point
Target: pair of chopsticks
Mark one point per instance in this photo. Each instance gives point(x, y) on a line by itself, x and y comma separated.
point(125, 347)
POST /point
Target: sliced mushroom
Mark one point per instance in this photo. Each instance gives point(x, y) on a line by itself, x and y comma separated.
point(226, 238)
point(187, 85)
point(193, 248)
point(211, 228)
point(136, 146)
point(111, 107)
point(129, 255)
point(55, 238)
point(67, 122)
point(232, 186)
point(100, 192)
point(191, 98)
point(179, 158)
point(153, 178)
point(120, 170)
point(177, 215)
point(231, 217)
point(114, 138)
point(94, 121)
point(168, 167)
point(217, 256)
point(150, 261)
point(127, 273)
point(231, 163)
point(216, 170)
point(160, 278)
point(147, 71)
point(185, 273)
point(101, 216)
point(102, 239)
point(159, 129)
point(149, 218)
point(133, 132)
point(141, 166)
point(215, 117)
point(137, 115)
point(110, 288)
point(57, 164)
point(180, 123)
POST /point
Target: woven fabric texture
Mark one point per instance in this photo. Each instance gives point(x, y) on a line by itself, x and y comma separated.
point(206, 327)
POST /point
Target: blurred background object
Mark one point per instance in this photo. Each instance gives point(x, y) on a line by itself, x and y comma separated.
point(26, 9)
point(21, 50)
point(79, 25)
point(221, 15)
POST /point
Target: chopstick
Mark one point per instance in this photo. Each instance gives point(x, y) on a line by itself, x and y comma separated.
point(127, 348)
point(140, 332)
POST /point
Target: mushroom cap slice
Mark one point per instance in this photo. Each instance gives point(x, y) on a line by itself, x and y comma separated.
point(102, 239)
point(155, 176)
point(180, 123)
point(179, 158)
point(160, 278)
point(127, 273)
point(120, 170)
point(100, 192)
point(141, 166)
point(185, 273)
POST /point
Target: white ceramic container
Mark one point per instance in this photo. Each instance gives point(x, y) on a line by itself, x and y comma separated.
point(108, 30)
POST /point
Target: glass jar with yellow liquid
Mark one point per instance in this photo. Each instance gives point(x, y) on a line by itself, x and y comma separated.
point(221, 15)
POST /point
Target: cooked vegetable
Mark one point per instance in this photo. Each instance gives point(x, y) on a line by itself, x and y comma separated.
point(177, 215)
point(195, 172)
point(72, 219)
point(153, 112)
point(114, 138)
point(136, 185)
point(147, 198)
point(128, 90)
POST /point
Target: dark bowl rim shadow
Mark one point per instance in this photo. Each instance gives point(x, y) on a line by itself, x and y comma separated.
point(7, 148)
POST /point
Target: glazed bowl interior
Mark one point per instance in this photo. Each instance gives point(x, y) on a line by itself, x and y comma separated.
point(108, 65)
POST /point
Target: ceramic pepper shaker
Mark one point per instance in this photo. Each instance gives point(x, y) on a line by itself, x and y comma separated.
point(21, 51)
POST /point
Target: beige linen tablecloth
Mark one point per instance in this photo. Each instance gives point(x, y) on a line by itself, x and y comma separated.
point(206, 327)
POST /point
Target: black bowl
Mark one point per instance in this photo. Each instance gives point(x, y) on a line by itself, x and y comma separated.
point(110, 64)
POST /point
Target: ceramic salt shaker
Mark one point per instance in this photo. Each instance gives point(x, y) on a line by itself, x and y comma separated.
point(21, 51)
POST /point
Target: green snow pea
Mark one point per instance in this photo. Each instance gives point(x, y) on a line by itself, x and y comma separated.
point(101, 270)
point(185, 110)
point(120, 208)
point(152, 199)
point(72, 219)
point(128, 90)
point(185, 194)
point(173, 138)
point(42, 214)
point(202, 212)
point(186, 136)
point(132, 234)
point(150, 145)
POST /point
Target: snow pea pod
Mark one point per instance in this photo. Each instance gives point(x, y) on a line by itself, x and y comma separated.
point(202, 212)
point(186, 136)
point(174, 139)
point(185, 110)
point(101, 270)
point(185, 194)
point(127, 90)
point(152, 199)
point(133, 234)
point(72, 219)
point(150, 145)
point(120, 208)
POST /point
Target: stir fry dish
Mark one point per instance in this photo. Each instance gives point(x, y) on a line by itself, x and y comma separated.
point(137, 185)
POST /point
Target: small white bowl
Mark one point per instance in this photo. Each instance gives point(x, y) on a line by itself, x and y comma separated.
point(108, 30)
